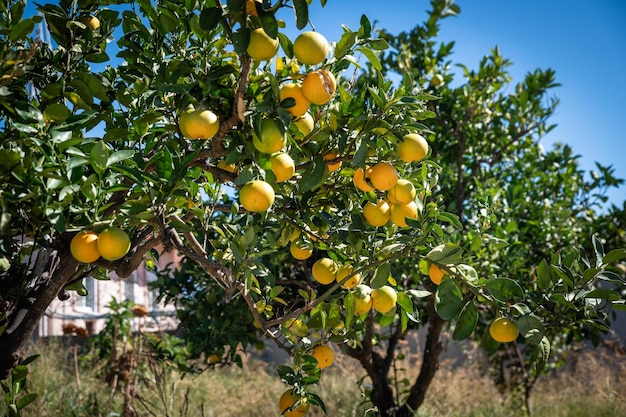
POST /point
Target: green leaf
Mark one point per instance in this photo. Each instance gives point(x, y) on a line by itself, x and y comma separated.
point(381, 276)
point(543, 275)
point(301, 9)
point(345, 43)
point(450, 218)
point(405, 302)
point(379, 44)
point(614, 256)
point(371, 56)
point(531, 328)
point(447, 253)
point(100, 155)
point(269, 23)
point(504, 289)
point(314, 175)
point(448, 299)
point(598, 249)
point(22, 29)
point(365, 30)
point(466, 323)
point(604, 294)
point(164, 165)
point(210, 18)
point(119, 156)
point(542, 354)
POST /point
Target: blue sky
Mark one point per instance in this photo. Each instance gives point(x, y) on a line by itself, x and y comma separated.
point(584, 41)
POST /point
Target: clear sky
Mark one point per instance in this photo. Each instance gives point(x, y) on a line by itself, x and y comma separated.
point(584, 41)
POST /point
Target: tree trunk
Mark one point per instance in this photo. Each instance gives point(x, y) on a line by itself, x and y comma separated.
point(430, 363)
point(45, 278)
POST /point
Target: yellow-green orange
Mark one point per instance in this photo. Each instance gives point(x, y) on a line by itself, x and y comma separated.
point(84, 247)
point(402, 193)
point(384, 299)
point(324, 354)
point(198, 124)
point(331, 156)
point(288, 399)
point(401, 212)
point(310, 48)
point(257, 196)
point(413, 147)
point(305, 123)
point(91, 21)
point(262, 47)
point(362, 299)
point(319, 86)
point(324, 271)
point(113, 243)
point(503, 330)
point(272, 138)
point(377, 214)
point(283, 166)
point(383, 176)
point(294, 91)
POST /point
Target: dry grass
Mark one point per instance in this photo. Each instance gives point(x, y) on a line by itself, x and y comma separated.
point(596, 386)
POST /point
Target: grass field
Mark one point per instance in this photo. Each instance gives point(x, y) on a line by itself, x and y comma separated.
point(596, 386)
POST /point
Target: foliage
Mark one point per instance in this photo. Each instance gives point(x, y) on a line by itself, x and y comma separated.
point(15, 399)
point(93, 140)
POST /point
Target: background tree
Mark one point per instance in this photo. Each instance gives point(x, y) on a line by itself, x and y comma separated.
point(117, 150)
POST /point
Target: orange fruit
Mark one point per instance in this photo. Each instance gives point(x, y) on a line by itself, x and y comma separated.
point(319, 86)
point(402, 193)
point(413, 147)
point(300, 250)
point(257, 196)
point(359, 179)
point(401, 212)
point(272, 138)
point(294, 91)
point(384, 299)
point(325, 271)
point(198, 124)
point(503, 330)
point(91, 21)
point(289, 399)
point(345, 271)
point(362, 299)
point(310, 48)
point(283, 166)
point(383, 176)
point(84, 247)
point(436, 274)
point(305, 123)
point(324, 354)
point(261, 46)
point(113, 243)
point(377, 214)
point(331, 156)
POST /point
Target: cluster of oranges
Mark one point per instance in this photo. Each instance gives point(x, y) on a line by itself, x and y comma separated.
point(111, 244)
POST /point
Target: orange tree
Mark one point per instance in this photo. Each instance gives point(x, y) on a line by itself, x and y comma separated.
point(166, 138)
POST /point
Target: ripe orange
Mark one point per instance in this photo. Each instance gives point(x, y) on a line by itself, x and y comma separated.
point(377, 214)
point(384, 299)
point(261, 46)
point(359, 179)
point(311, 48)
point(290, 398)
point(503, 330)
point(294, 91)
point(84, 247)
point(436, 80)
point(324, 354)
point(413, 147)
point(383, 176)
point(113, 243)
point(257, 196)
point(345, 271)
point(198, 124)
point(272, 138)
point(299, 250)
point(331, 156)
point(436, 274)
point(319, 86)
point(401, 212)
point(402, 193)
point(325, 271)
point(227, 167)
point(283, 166)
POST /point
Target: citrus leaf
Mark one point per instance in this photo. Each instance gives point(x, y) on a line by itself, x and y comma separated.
point(504, 289)
point(448, 299)
point(531, 328)
point(301, 9)
point(466, 322)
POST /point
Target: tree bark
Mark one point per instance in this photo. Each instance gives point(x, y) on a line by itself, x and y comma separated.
point(51, 270)
point(430, 363)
